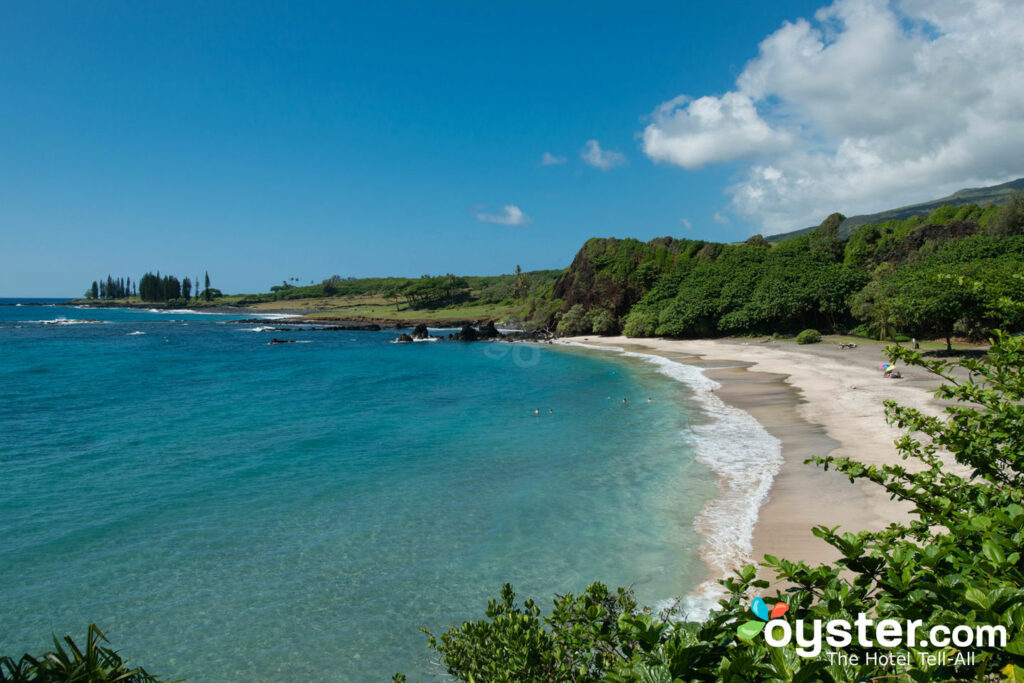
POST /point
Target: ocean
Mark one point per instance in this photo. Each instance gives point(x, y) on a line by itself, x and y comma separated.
point(229, 510)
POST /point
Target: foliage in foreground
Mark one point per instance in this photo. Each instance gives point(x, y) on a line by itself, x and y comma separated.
point(957, 561)
point(70, 664)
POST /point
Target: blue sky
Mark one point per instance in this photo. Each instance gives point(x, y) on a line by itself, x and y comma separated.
point(262, 141)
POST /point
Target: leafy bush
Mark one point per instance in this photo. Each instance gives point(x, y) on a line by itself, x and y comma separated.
point(97, 664)
point(640, 323)
point(603, 322)
point(574, 322)
point(957, 561)
point(808, 337)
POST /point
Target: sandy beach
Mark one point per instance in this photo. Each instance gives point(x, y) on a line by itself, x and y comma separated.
point(816, 399)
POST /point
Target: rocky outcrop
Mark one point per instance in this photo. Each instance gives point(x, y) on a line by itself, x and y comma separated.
point(467, 333)
point(420, 332)
point(404, 339)
point(488, 330)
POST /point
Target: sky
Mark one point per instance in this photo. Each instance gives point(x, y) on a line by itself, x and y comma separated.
point(264, 141)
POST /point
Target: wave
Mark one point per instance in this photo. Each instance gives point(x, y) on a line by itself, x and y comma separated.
point(744, 456)
point(261, 328)
point(135, 333)
point(66, 321)
point(182, 311)
point(278, 316)
point(428, 339)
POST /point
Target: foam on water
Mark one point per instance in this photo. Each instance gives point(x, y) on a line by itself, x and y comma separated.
point(66, 321)
point(278, 316)
point(135, 333)
point(180, 311)
point(743, 455)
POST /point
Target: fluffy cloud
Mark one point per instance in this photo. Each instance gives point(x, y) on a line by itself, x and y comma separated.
point(549, 159)
point(511, 215)
point(691, 133)
point(868, 106)
point(600, 158)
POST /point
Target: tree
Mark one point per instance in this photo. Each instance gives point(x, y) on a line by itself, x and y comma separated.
point(94, 293)
point(186, 288)
point(574, 322)
point(206, 288)
point(331, 284)
point(521, 285)
point(1009, 220)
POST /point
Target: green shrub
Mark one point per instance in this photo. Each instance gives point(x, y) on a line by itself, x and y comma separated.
point(640, 323)
point(574, 322)
point(603, 322)
point(808, 337)
point(96, 664)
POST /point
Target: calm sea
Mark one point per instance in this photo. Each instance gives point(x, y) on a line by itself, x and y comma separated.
point(229, 510)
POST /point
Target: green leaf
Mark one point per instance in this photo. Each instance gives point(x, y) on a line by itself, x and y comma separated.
point(750, 629)
point(1012, 674)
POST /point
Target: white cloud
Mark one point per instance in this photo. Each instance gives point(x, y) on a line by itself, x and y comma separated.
point(600, 158)
point(549, 159)
point(685, 222)
point(865, 107)
point(511, 215)
point(692, 133)
point(721, 218)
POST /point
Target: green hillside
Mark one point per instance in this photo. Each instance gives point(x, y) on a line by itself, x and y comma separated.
point(982, 196)
point(927, 275)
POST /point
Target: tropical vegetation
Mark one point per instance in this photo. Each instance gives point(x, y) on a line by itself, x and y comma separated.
point(887, 280)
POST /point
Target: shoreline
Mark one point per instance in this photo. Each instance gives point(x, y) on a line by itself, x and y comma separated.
point(817, 400)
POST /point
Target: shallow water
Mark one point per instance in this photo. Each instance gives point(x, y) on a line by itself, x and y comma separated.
point(229, 510)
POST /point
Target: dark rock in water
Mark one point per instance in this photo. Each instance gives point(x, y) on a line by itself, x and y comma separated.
point(275, 340)
point(488, 330)
point(404, 339)
point(420, 332)
point(467, 333)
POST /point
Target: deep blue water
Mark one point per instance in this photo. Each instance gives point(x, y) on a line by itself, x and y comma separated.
point(227, 510)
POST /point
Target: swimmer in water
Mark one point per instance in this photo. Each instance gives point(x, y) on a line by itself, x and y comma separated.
point(648, 399)
point(536, 411)
point(624, 401)
point(550, 412)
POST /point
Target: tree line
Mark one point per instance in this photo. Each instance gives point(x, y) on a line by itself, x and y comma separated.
point(152, 287)
point(111, 288)
point(888, 281)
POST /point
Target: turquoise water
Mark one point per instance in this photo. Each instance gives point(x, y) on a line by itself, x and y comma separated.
point(227, 510)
